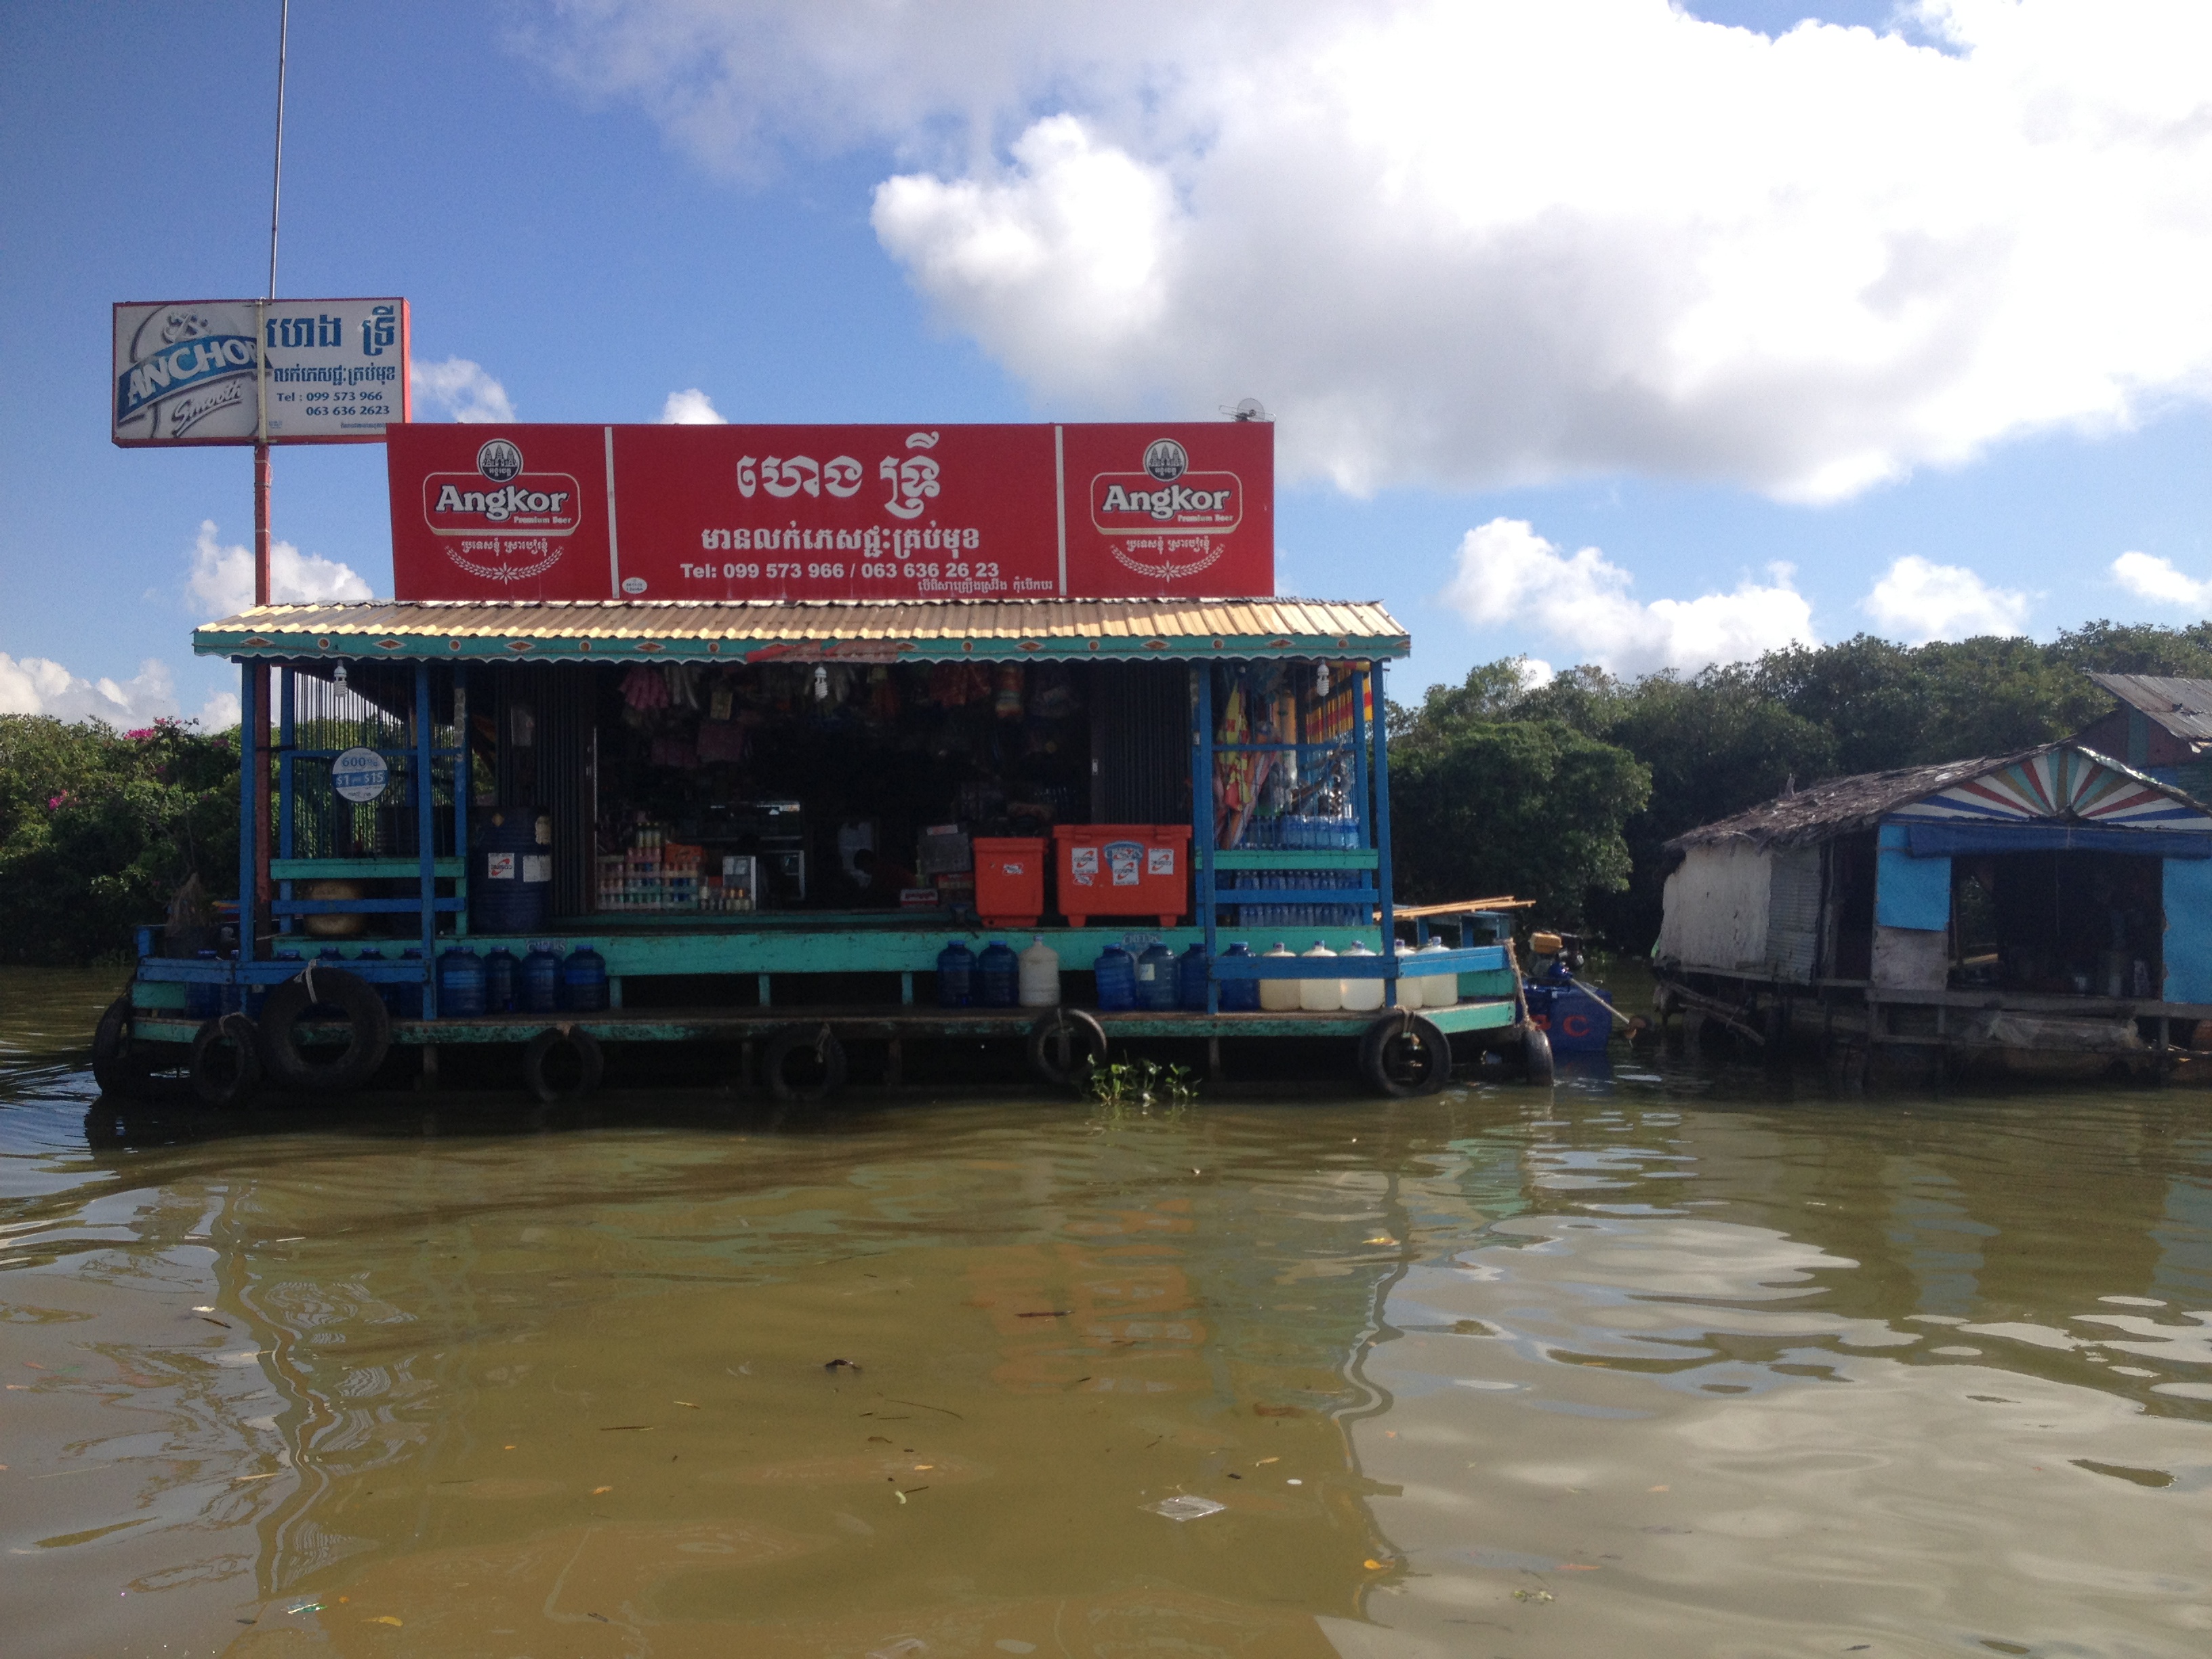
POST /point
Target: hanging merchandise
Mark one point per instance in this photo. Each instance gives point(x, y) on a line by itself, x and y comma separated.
point(1007, 703)
point(1052, 692)
point(722, 740)
point(720, 701)
point(883, 694)
point(642, 689)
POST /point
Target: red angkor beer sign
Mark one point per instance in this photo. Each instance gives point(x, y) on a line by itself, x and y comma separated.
point(832, 512)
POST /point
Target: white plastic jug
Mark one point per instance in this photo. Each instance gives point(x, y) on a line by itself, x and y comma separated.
point(1040, 976)
point(1437, 990)
point(1362, 996)
point(1320, 996)
point(1278, 996)
point(1409, 982)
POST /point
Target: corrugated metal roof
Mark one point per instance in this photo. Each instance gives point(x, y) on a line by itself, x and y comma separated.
point(2182, 707)
point(809, 630)
point(1841, 805)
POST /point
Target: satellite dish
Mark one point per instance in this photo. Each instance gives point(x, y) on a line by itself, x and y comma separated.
point(1247, 409)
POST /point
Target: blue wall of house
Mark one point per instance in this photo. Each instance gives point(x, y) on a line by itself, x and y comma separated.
point(1909, 892)
point(2188, 903)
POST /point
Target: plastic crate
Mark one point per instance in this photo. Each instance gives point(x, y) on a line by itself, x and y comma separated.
point(1123, 870)
point(1010, 880)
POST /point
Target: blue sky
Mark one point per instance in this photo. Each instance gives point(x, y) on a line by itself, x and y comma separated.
point(603, 204)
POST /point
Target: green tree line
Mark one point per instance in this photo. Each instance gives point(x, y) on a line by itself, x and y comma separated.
point(98, 828)
point(1567, 792)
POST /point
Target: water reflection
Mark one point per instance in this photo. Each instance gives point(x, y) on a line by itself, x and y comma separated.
point(1668, 1361)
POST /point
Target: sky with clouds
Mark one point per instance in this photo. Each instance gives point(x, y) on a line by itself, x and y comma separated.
point(1600, 330)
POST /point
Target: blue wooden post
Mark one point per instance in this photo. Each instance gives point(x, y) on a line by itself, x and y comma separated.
point(249, 833)
point(1383, 836)
point(462, 781)
point(426, 846)
point(287, 736)
point(1201, 817)
point(1359, 755)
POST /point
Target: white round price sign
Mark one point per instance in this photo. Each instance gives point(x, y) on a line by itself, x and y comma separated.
point(360, 775)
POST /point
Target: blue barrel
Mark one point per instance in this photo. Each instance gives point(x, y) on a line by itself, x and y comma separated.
point(1191, 974)
point(460, 984)
point(500, 969)
point(511, 870)
point(407, 998)
point(1157, 980)
point(583, 981)
point(1576, 1022)
point(1117, 979)
point(539, 986)
point(956, 977)
point(997, 976)
point(1240, 996)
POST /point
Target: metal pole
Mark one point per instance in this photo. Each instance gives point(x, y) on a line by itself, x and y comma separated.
point(1382, 837)
point(276, 175)
point(254, 754)
point(426, 846)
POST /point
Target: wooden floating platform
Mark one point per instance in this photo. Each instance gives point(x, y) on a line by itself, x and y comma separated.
point(865, 1023)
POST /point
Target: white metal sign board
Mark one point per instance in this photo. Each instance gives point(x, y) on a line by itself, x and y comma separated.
point(198, 371)
point(360, 775)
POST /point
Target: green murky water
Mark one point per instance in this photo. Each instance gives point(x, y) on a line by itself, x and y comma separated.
point(1663, 1364)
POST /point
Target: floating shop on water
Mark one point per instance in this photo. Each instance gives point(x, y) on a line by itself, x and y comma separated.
point(826, 743)
point(2041, 911)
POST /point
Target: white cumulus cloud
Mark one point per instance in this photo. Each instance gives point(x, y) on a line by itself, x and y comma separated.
point(221, 583)
point(1918, 601)
point(691, 407)
point(2156, 579)
point(1475, 242)
point(39, 685)
point(461, 390)
point(1509, 576)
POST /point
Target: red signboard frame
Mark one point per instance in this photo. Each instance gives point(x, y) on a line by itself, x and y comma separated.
point(547, 511)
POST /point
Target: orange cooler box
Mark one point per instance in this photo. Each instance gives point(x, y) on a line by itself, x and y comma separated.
point(1010, 880)
point(1123, 870)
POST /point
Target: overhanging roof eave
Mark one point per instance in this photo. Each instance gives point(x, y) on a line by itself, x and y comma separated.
point(810, 631)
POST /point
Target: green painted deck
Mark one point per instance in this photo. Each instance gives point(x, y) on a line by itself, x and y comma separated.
point(864, 1022)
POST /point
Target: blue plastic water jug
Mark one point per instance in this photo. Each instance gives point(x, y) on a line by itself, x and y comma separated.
point(1239, 996)
point(997, 973)
point(583, 981)
point(460, 984)
point(1117, 979)
point(1191, 974)
point(407, 998)
point(540, 984)
point(500, 970)
point(1156, 980)
point(956, 977)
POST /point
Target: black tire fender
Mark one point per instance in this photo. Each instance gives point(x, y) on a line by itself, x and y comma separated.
point(591, 1061)
point(118, 1062)
point(1402, 1053)
point(822, 1044)
point(289, 1004)
point(1061, 1043)
point(1536, 1056)
point(226, 1065)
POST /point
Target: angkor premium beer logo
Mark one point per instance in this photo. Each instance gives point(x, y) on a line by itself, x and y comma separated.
point(502, 522)
point(1166, 520)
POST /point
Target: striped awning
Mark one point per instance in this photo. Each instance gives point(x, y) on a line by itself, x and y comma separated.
point(807, 630)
